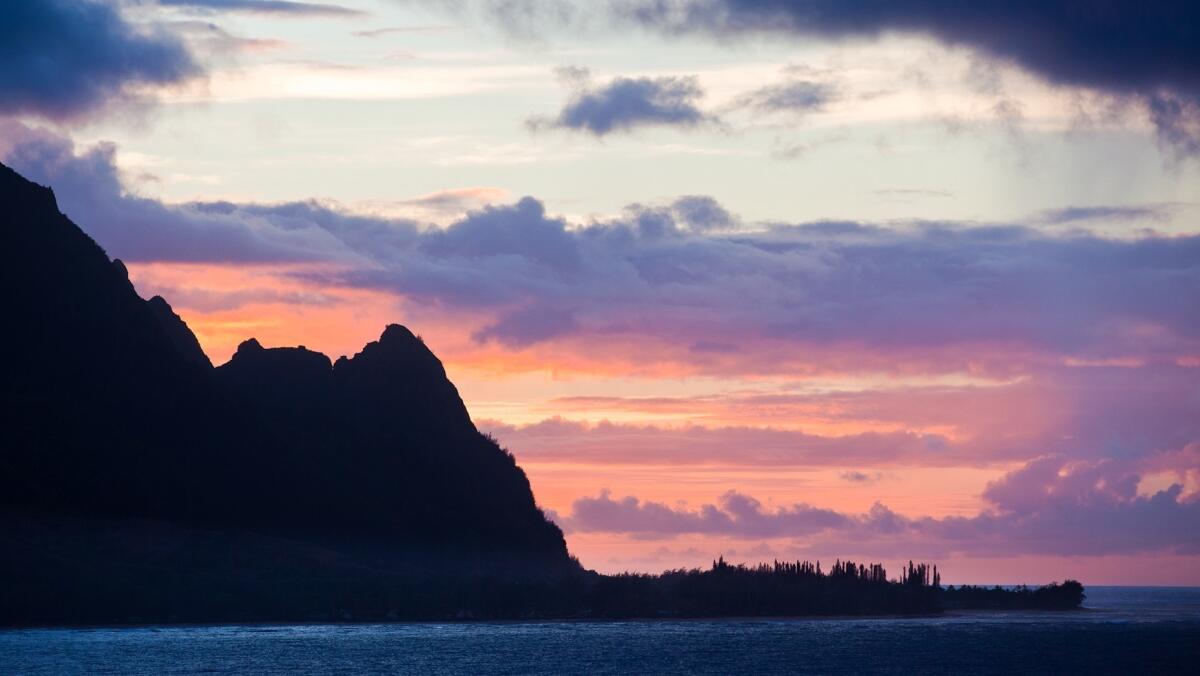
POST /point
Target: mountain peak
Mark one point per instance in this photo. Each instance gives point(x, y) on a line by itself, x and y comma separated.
point(398, 334)
point(402, 354)
point(249, 346)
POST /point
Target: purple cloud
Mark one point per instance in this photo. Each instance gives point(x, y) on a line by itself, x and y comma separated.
point(627, 103)
point(68, 59)
point(1050, 506)
point(736, 514)
point(89, 189)
point(857, 477)
point(703, 213)
point(684, 274)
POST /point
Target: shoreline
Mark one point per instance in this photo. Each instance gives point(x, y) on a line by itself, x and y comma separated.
point(952, 614)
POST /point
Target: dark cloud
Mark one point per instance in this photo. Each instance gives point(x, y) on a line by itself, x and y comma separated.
point(1177, 119)
point(1145, 51)
point(1049, 506)
point(1108, 45)
point(627, 103)
point(68, 59)
point(1138, 51)
point(1111, 45)
point(273, 7)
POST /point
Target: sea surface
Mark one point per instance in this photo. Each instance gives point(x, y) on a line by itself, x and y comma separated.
point(1123, 630)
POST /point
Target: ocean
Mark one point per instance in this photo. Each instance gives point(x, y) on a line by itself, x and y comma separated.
point(1122, 630)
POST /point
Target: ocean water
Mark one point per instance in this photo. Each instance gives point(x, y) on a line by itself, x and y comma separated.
point(1123, 630)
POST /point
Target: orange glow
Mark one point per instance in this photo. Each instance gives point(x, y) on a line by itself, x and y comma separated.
point(933, 492)
point(227, 304)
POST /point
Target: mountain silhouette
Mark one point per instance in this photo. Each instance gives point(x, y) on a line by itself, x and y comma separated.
point(139, 483)
point(115, 413)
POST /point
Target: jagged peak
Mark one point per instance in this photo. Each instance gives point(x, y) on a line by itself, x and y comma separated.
point(396, 345)
point(397, 334)
point(249, 346)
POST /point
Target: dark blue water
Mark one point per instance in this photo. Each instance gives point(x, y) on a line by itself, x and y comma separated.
point(1123, 631)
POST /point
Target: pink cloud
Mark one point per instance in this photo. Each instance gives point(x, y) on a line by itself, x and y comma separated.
point(1048, 507)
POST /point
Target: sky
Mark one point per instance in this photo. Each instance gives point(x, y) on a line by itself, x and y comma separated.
point(767, 279)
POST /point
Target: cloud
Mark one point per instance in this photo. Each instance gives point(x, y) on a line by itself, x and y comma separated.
point(735, 514)
point(1139, 52)
point(66, 60)
point(703, 213)
point(453, 202)
point(1063, 215)
point(1146, 52)
point(684, 281)
point(529, 326)
point(624, 104)
point(89, 189)
point(208, 301)
point(799, 96)
point(925, 286)
point(522, 230)
point(1115, 411)
point(282, 8)
point(1049, 506)
point(569, 441)
point(1177, 119)
point(216, 43)
point(1127, 49)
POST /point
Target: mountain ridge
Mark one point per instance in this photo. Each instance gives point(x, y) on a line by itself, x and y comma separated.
point(123, 415)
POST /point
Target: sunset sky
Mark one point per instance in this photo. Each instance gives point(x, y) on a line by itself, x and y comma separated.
point(754, 278)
